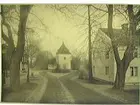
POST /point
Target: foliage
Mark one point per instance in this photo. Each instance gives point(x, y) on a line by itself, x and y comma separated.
point(75, 63)
point(58, 70)
point(15, 48)
point(52, 61)
point(42, 60)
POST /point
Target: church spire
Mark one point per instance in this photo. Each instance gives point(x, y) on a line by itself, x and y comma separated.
point(63, 49)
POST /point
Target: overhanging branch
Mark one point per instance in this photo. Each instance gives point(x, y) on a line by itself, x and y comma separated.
point(137, 14)
point(9, 31)
point(99, 9)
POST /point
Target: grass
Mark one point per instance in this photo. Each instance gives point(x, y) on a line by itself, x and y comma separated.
point(61, 71)
point(20, 95)
point(132, 95)
point(96, 81)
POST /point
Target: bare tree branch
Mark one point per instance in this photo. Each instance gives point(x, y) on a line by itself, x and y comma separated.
point(39, 20)
point(137, 14)
point(122, 13)
point(4, 23)
point(99, 9)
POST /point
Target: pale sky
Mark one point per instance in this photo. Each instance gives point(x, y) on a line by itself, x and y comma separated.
point(61, 28)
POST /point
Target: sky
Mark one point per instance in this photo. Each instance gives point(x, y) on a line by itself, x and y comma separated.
point(54, 28)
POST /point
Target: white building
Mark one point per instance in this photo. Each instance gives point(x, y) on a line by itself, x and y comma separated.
point(52, 66)
point(63, 57)
point(104, 64)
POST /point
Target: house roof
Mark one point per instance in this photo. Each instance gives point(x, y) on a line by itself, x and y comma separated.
point(63, 50)
point(116, 31)
point(119, 36)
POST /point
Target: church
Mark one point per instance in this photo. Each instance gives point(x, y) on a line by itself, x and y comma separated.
point(63, 57)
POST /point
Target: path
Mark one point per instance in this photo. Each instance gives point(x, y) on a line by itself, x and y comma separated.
point(56, 92)
point(57, 89)
point(83, 95)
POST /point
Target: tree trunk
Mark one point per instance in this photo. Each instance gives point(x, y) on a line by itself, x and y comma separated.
point(31, 62)
point(90, 48)
point(15, 73)
point(28, 73)
point(18, 53)
point(122, 67)
point(120, 77)
point(3, 69)
point(123, 64)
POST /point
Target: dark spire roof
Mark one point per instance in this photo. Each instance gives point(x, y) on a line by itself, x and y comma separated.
point(63, 50)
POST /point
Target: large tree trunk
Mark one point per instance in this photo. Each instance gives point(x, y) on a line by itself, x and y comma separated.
point(15, 73)
point(7, 38)
point(18, 53)
point(122, 65)
point(120, 76)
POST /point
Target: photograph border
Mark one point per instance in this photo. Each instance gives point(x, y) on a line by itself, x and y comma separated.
point(57, 2)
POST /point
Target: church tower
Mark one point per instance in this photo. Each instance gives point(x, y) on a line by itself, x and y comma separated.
point(63, 57)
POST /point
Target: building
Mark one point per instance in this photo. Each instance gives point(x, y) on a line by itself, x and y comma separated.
point(63, 57)
point(51, 66)
point(104, 64)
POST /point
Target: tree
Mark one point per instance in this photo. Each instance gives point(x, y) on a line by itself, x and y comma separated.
point(122, 64)
point(132, 15)
point(75, 63)
point(52, 61)
point(4, 63)
point(42, 60)
point(7, 37)
point(92, 23)
point(89, 21)
point(31, 50)
point(16, 52)
point(89, 47)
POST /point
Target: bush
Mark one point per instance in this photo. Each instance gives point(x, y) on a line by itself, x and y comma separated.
point(56, 70)
point(83, 74)
point(60, 70)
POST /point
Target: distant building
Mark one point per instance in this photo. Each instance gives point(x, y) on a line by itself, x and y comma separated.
point(51, 66)
point(63, 57)
point(104, 64)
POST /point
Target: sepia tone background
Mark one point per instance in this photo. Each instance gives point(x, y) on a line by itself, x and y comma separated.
point(59, 47)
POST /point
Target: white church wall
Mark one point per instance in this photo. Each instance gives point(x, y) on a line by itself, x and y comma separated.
point(64, 61)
